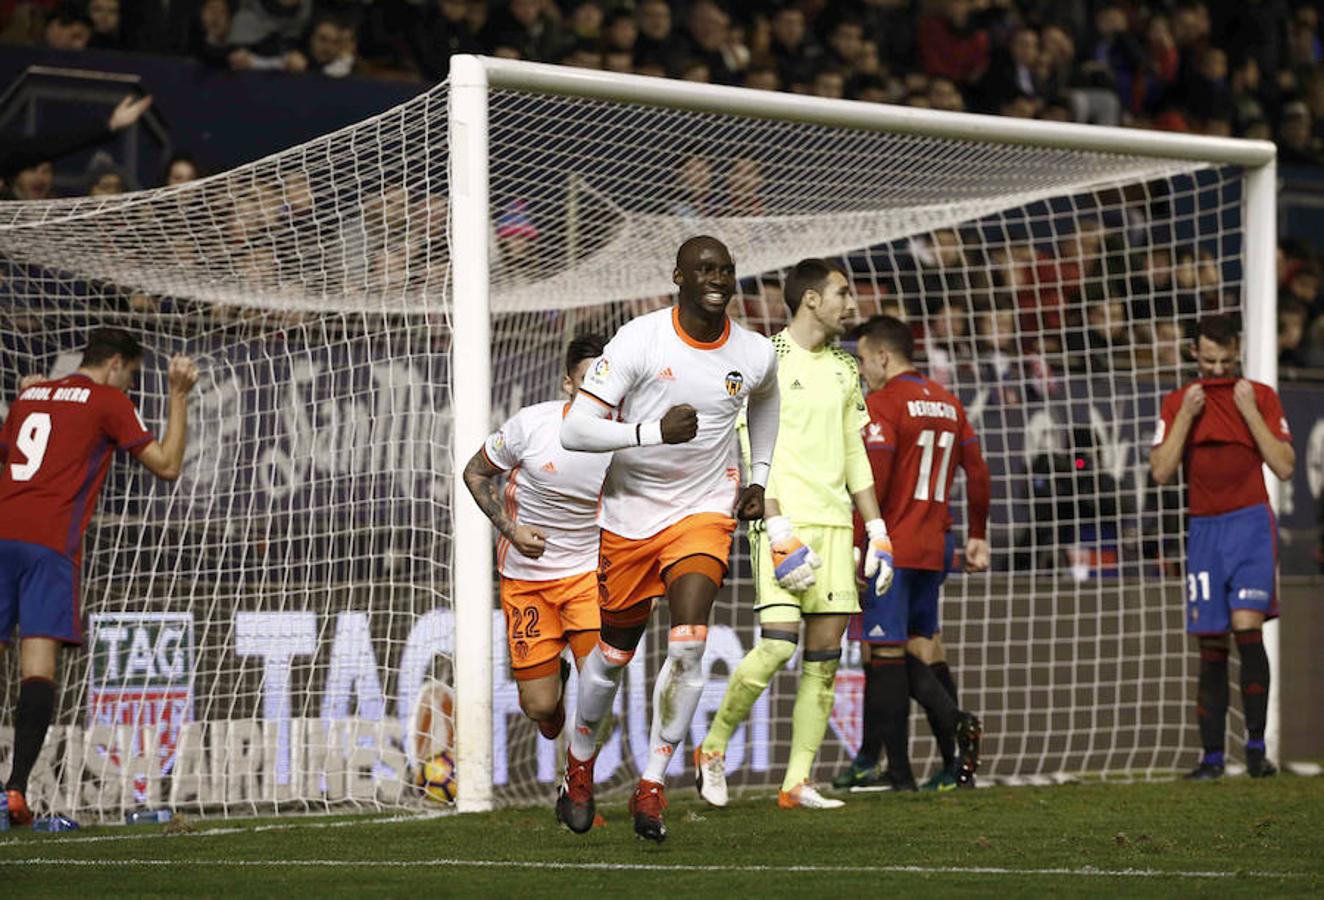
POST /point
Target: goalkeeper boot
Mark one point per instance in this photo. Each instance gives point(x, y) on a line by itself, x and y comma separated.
point(575, 808)
point(551, 728)
point(969, 731)
point(19, 814)
point(856, 777)
point(710, 777)
point(646, 805)
point(805, 796)
point(942, 780)
point(1258, 765)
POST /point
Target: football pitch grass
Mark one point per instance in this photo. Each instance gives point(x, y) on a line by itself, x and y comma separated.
point(1234, 837)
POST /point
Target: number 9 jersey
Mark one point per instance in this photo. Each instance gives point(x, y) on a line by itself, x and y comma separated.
point(916, 437)
point(57, 443)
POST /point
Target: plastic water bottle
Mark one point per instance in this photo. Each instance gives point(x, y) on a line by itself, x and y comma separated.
point(55, 823)
point(4, 811)
point(147, 817)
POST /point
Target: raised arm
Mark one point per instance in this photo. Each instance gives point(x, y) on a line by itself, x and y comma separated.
point(1165, 456)
point(166, 458)
point(1277, 453)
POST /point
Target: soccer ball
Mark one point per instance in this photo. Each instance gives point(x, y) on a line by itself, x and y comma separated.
point(437, 778)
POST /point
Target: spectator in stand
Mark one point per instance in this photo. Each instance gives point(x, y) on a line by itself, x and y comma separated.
point(793, 52)
point(1158, 71)
point(944, 94)
point(107, 26)
point(209, 34)
point(946, 341)
point(828, 82)
point(105, 179)
point(1015, 72)
point(26, 164)
point(266, 35)
point(763, 78)
point(998, 356)
point(181, 169)
point(655, 44)
point(620, 33)
point(1115, 55)
point(1302, 286)
point(707, 40)
point(443, 32)
point(1293, 318)
point(68, 28)
point(332, 46)
point(952, 45)
point(744, 187)
point(845, 45)
point(1297, 144)
point(890, 25)
point(585, 22)
point(1108, 338)
point(527, 27)
point(1206, 93)
point(618, 61)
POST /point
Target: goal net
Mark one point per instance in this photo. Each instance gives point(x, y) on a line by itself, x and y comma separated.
point(276, 631)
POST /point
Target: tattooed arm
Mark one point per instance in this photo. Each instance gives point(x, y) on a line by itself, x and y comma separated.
point(480, 477)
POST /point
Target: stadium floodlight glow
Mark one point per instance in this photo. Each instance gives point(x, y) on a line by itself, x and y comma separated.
point(268, 631)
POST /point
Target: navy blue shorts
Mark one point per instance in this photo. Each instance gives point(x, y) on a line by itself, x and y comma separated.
point(38, 593)
point(908, 609)
point(1231, 561)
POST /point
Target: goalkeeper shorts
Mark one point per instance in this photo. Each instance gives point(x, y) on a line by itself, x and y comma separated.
point(631, 571)
point(543, 617)
point(1231, 563)
point(834, 591)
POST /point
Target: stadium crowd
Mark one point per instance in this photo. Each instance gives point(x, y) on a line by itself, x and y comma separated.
point(1252, 69)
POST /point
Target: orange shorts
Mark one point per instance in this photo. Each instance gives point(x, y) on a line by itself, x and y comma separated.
point(632, 571)
point(543, 617)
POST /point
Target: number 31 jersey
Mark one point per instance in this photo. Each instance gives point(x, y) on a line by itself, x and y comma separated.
point(925, 426)
point(57, 443)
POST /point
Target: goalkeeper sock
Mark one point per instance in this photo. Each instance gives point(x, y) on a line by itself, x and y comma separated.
point(1254, 682)
point(675, 697)
point(937, 703)
point(599, 678)
point(36, 703)
point(748, 681)
point(813, 707)
point(1211, 699)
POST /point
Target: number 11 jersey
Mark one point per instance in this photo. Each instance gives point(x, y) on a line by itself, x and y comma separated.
point(925, 426)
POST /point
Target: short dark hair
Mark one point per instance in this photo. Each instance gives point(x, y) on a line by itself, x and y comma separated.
point(586, 345)
point(891, 332)
point(1222, 329)
point(808, 275)
point(103, 343)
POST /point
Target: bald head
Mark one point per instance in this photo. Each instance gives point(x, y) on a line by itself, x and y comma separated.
point(693, 247)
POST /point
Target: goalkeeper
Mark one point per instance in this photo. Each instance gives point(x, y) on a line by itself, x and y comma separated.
point(803, 557)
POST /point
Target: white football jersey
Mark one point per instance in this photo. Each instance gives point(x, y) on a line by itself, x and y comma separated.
point(651, 366)
point(551, 488)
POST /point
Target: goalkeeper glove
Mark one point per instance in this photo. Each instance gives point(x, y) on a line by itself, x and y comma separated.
point(878, 556)
point(793, 562)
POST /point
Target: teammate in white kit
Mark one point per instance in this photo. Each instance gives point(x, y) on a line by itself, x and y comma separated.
point(665, 396)
point(547, 550)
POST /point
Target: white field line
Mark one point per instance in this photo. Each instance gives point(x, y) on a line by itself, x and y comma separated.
point(137, 833)
point(1084, 872)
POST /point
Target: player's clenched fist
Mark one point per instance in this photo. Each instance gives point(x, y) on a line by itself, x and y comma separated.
point(680, 424)
point(1244, 396)
point(529, 541)
point(183, 374)
point(793, 561)
point(1192, 402)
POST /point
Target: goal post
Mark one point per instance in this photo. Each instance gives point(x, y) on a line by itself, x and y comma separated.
point(474, 77)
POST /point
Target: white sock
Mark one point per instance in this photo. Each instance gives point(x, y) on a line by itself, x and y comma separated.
point(675, 697)
point(599, 678)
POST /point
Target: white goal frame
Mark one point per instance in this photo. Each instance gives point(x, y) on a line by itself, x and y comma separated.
point(472, 77)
